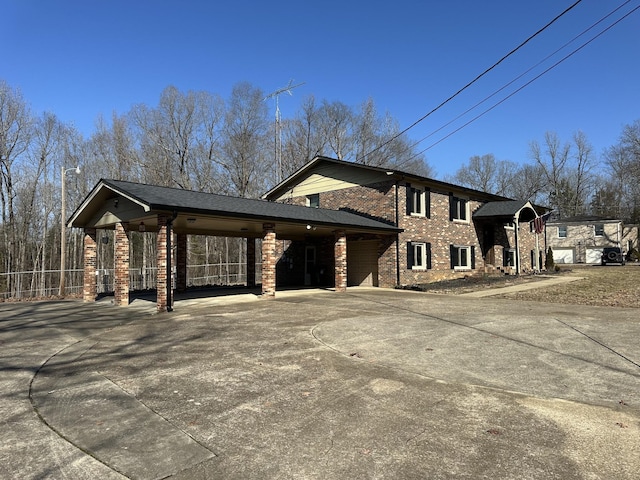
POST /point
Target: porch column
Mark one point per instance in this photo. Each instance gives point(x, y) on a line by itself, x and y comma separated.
point(268, 260)
point(161, 262)
point(181, 262)
point(90, 288)
point(121, 267)
point(340, 253)
point(251, 262)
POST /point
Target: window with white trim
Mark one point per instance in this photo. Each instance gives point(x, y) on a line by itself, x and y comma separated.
point(599, 229)
point(462, 257)
point(458, 209)
point(418, 255)
point(562, 231)
point(313, 200)
point(418, 201)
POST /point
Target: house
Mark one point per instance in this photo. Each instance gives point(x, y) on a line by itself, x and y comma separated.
point(332, 223)
point(580, 239)
point(445, 230)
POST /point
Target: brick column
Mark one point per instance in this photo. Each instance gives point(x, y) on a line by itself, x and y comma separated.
point(181, 262)
point(161, 262)
point(90, 289)
point(121, 261)
point(251, 262)
point(268, 260)
point(340, 253)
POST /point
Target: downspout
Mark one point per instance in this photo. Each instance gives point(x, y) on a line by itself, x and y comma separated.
point(169, 266)
point(397, 240)
point(515, 222)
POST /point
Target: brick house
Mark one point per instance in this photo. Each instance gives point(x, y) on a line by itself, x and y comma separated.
point(581, 239)
point(447, 230)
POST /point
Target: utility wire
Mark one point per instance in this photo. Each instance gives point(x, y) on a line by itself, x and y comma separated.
point(513, 81)
point(527, 83)
point(473, 81)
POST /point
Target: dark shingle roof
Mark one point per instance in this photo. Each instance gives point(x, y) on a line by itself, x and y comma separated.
point(499, 209)
point(189, 201)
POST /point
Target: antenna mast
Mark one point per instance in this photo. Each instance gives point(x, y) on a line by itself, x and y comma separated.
point(278, 132)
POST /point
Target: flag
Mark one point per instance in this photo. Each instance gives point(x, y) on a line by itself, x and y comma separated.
point(539, 222)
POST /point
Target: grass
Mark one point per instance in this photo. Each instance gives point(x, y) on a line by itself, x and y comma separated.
point(609, 286)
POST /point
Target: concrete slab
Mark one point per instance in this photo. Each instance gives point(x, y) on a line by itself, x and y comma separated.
point(373, 383)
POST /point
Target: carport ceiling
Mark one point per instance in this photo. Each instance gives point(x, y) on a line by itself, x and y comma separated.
point(114, 201)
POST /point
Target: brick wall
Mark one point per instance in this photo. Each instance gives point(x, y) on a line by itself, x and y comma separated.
point(340, 261)
point(269, 260)
point(161, 262)
point(121, 259)
point(90, 288)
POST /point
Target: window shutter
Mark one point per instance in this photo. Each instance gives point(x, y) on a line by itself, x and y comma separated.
point(409, 256)
point(505, 257)
point(428, 256)
point(427, 203)
point(409, 199)
point(453, 253)
point(451, 206)
point(473, 257)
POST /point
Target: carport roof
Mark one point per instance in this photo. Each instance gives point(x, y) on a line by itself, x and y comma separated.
point(153, 199)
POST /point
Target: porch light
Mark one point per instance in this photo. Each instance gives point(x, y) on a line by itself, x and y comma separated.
point(191, 220)
point(141, 227)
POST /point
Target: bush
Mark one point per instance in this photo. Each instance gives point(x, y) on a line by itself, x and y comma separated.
point(549, 264)
point(633, 255)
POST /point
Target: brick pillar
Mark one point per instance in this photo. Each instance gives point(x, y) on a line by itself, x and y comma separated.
point(90, 289)
point(268, 260)
point(340, 253)
point(161, 262)
point(251, 262)
point(121, 261)
point(181, 262)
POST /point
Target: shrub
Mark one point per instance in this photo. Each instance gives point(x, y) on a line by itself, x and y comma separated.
point(549, 264)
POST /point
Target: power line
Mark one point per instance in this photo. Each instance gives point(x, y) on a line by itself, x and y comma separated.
point(512, 81)
point(527, 83)
point(473, 81)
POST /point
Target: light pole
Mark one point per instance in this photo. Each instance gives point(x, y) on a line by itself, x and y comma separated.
point(63, 228)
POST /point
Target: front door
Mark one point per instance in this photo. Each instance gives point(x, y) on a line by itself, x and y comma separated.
point(488, 241)
point(309, 265)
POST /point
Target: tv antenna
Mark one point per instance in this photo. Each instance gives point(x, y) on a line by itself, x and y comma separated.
point(278, 133)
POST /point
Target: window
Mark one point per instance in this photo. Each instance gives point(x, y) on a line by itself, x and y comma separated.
point(418, 201)
point(418, 255)
point(458, 208)
point(462, 257)
point(599, 228)
point(313, 200)
point(562, 231)
point(508, 257)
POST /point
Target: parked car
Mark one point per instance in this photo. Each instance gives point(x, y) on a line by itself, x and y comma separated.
point(612, 255)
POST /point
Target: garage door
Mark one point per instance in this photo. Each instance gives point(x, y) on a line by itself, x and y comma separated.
point(362, 263)
point(594, 255)
point(563, 255)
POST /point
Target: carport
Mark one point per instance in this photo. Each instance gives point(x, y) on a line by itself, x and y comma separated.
point(126, 206)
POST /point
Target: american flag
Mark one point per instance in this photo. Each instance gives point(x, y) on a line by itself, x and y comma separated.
point(539, 222)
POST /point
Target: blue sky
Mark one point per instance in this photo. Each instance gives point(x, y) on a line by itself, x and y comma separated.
point(79, 59)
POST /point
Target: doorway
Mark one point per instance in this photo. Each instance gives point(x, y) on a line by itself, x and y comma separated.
point(309, 265)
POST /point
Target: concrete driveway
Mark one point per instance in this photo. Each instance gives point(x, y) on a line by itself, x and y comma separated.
point(314, 385)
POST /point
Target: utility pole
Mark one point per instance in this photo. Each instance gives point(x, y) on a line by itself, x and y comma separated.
point(278, 133)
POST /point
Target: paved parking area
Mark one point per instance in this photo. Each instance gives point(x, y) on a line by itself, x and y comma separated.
point(369, 384)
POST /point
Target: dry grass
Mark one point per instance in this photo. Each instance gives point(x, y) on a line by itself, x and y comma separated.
point(609, 286)
point(612, 286)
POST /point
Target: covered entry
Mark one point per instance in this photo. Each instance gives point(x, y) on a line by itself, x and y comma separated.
point(173, 213)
